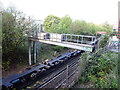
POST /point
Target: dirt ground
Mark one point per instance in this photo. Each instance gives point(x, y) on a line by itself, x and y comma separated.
point(15, 69)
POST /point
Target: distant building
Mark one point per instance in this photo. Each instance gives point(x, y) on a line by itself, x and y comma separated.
point(98, 34)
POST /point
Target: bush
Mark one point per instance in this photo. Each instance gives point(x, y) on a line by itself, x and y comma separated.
point(102, 70)
point(103, 41)
point(57, 48)
point(14, 45)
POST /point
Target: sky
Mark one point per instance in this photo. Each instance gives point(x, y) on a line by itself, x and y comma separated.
point(95, 11)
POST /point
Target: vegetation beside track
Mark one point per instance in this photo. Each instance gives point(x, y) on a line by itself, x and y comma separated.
point(101, 70)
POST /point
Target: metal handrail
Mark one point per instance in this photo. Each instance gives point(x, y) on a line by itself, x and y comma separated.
point(67, 37)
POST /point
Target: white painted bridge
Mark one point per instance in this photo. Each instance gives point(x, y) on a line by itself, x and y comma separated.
point(80, 42)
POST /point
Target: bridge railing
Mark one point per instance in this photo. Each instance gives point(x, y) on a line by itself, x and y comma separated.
point(82, 39)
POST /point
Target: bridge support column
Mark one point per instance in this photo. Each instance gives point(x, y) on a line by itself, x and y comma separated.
point(82, 40)
point(34, 51)
point(30, 63)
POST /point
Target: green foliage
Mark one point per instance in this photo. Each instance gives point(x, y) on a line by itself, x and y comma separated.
point(107, 27)
point(101, 70)
point(64, 25)
point(14, 43)
point(57, 48)
point(113, 33)
point(68, 26)
point(50, 21)
point(103, 41)
point(83, 61)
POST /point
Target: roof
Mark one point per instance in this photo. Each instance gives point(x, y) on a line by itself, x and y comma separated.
point(101, 32)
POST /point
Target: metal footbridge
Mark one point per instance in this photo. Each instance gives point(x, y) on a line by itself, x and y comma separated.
point(80, 42)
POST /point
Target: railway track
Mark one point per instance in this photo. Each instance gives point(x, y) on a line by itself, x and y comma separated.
point(60, 77)
point(57, 72)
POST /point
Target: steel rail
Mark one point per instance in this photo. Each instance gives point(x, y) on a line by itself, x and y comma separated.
point(54, 77)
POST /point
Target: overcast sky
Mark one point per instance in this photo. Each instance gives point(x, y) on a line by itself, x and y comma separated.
point(96, 11)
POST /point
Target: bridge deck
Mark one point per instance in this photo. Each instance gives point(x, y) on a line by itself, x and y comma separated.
point(66, 44)
point(64, 40)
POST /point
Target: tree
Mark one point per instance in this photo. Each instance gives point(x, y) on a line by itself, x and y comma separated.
point(14, 46)
point(106, 27)
point(49, 21)
point(64, 25)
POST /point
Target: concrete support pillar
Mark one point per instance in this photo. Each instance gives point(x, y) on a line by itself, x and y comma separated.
point(82, 40)
point(34, 50)
point(92, 39)
point(30, 58)
point(77, 39)
point(70, 38)
point(66, 38)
